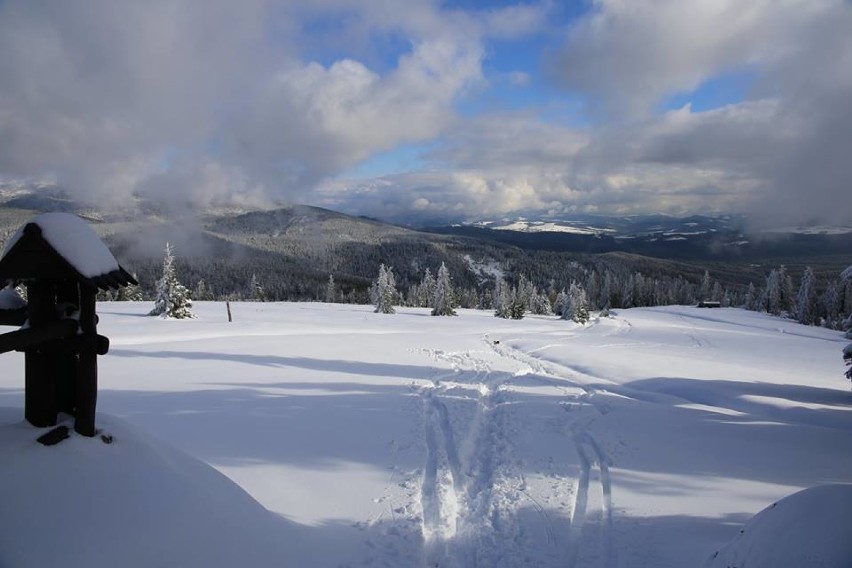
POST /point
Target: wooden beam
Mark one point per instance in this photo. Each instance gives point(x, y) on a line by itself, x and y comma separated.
point(31, 337)
point(13, 317)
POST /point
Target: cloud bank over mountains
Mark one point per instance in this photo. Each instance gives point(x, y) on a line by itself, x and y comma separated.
point(213, 102)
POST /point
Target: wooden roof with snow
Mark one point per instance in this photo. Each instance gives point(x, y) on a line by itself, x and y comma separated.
point(61, 246)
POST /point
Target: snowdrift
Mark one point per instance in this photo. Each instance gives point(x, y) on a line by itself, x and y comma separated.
point(808, 528)
point(133, 502)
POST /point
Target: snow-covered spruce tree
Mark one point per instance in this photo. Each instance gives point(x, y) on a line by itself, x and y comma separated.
point(383, 291)
point(444, 300)
point(426, 291)
point(605, 300)
point(518, 304)
point(502, 299)
point(129, 293)
point(829, 304)
point(255, 290)
point(705, 289)
point(806, 301)
point(202, 292)
point(846, 279)
point(173, 299)
point(773, 292)
point(779, 292)
point(750, 297)
point(330, 290)
point(560, 306)
point(578, 305)
point(540, 304)
point(524, 292)
point(486, 301)
point(847, 356)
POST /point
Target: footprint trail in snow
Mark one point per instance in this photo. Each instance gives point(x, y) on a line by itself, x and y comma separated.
point(478, 506)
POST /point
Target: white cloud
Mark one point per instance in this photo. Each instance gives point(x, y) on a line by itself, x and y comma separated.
point(99, 92)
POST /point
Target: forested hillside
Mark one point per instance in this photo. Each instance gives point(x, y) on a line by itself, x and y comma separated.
point(289, 253)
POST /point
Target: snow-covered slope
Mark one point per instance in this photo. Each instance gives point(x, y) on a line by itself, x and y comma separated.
point(132, 502)
point(810, 528)
point(644, 440)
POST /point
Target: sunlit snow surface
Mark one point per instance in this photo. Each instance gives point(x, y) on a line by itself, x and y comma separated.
point(644, 440)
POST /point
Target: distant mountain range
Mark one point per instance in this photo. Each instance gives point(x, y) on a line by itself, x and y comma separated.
point(292, 250)
point(695, 237)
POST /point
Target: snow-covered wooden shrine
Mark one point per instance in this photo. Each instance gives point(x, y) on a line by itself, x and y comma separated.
point(62, 263)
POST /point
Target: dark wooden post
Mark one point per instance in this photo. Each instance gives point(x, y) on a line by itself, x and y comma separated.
point(65, 358)
point(87, 365)
point(40, 383)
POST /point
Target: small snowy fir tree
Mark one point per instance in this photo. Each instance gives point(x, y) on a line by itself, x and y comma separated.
point(704, 290)
point(202, 292)
point(383, 291)
point(129, 293)
point(173, 300)
point(330, 290)
point(444, 301)
point(750, 300)
point(502, 299)
point(518, 304)
point(806, 302)
point(540, 304)
point(578, 305)
point(560, 306)
point(846, 278)
point(255, 290)
point(847, 356)
point(426, 291)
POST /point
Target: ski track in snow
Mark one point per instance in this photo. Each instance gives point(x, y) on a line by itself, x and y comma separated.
point(473, 486)
point(589, 453)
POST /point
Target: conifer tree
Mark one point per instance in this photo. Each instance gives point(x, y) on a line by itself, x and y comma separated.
point(578, 305)
point(830, 304)
point(444, 301)
point(255, 290)
point(383, 291)
point(605, 301)
point(486, 301)
point(518, 304)
point(540, 304)
point(524, 292)
point(129, 293)
point(847, 357)
point(846, 278)
point(330, 290)
point(750, 301)
point(705, 288)
point(502, 299)
point(202, 292)
point(560, 306)
point(173, 299)
point(426, 292)
point(806, 302)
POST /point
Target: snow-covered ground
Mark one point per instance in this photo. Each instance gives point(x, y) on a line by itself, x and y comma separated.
point(643, 440)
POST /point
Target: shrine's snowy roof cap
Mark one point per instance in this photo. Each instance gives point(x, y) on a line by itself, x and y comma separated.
point(61, 246)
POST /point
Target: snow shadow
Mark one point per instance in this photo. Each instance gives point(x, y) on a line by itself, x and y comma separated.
point(320, 428)
point(673, 541)
point(359, 368)
point(788, 404)
point(726, 429)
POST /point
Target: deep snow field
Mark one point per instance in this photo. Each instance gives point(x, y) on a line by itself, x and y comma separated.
point(643, 440)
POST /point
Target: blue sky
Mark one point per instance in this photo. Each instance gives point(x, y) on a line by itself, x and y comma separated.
point(445, 109)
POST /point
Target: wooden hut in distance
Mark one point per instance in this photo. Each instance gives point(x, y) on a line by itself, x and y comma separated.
point(63, 263)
